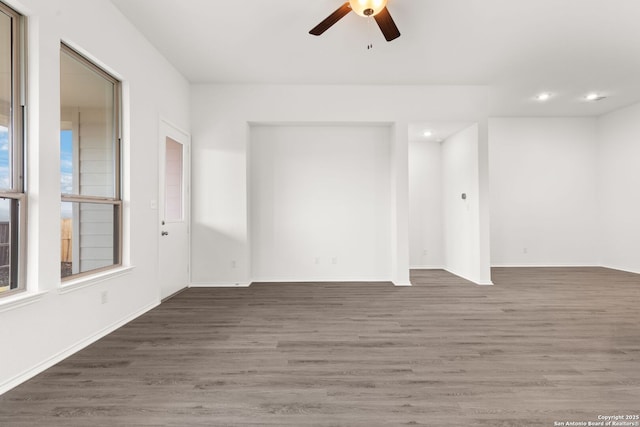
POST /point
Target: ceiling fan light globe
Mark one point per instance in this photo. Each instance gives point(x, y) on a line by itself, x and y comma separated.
point(367, 8)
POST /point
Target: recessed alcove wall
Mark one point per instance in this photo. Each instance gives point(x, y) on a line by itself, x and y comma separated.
point(320, 202)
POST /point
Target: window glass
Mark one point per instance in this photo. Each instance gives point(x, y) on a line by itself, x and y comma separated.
point(173, 180)
point(5, 163)
point(5, 99)
point(12, 197)
point(7, 213)
point(87, 99)
point(66, 162)
point(95, 226)
point(89, 166)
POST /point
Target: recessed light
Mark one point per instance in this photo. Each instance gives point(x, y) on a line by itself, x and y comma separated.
point(427, 133)
point(544, 96)
point(594, 96)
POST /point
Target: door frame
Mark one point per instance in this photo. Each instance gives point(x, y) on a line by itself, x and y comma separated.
point(167, 129)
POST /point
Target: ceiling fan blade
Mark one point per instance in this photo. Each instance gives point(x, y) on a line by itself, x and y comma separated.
point(386, 24)
point(331, 19)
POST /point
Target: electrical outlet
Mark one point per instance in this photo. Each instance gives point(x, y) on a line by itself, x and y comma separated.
point(334, 260)
point(233, 264)
point(525, 250)
point(104, 297)
point(317, 260)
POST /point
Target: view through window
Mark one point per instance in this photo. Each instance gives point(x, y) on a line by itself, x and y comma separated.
point(12, 198)
point(90, 216)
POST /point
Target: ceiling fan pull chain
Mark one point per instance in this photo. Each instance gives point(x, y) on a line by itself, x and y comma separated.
point(370, 32)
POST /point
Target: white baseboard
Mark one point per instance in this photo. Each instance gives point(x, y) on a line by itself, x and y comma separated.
point(612, 267)
point(542, 265)
point(619, 268)
point(220, 285)
point(477, 282)
point(319, 279)
point(402, 284)
point(46, 364)
point(306, 280)
point(426, 267)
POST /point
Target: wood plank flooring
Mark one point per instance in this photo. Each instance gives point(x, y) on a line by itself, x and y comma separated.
point(542, 345)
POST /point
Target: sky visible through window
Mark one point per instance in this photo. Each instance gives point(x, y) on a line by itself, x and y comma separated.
point(66, 168)
point(5, 173)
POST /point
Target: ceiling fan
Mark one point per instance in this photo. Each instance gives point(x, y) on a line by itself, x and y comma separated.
point(365, 8)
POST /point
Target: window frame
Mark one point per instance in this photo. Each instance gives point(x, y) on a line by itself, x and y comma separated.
point(116, 200)
point(17, 148)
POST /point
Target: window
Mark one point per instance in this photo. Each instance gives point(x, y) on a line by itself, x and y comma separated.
point(91, 210)
point(173, 172)
point(12, 197)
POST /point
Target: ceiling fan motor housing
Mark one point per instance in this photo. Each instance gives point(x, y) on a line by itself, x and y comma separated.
point(367, 8)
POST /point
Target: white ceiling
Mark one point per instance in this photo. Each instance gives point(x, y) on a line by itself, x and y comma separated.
point(439, 131)
point(517, 47)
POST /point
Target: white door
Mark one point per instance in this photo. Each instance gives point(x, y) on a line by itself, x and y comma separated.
point(173, 208)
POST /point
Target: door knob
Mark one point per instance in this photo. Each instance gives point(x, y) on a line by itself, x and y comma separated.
point(165, 233)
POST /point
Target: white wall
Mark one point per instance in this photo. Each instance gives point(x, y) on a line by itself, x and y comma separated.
point(425, 205)
point(618, 188)
point(461, 217)
point(320, 203)
point(45, 328)
point(220, 130)
point(543, 180)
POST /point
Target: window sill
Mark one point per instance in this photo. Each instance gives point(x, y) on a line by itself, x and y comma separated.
point(20, 300)
point(83, 282)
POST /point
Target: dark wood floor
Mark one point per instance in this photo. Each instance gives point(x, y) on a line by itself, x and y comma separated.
point(542, 345)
